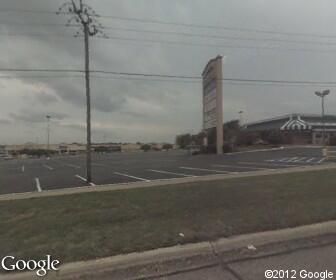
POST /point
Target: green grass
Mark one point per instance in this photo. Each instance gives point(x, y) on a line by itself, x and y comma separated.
point(93, 225)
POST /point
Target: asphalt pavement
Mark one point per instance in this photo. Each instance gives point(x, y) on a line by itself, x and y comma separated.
point(316, 262)
point(38, 175)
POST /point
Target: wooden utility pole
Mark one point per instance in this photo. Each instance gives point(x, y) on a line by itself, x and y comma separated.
point(85, 15)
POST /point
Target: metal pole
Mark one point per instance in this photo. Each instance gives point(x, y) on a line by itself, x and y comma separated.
point(48, 135)
point(241, 119)
point(88, 105)
point(323, 122)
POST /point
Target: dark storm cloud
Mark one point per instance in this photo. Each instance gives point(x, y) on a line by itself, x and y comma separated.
point(166, 104)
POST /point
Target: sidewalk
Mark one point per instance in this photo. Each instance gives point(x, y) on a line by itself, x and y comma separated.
point(311, 248)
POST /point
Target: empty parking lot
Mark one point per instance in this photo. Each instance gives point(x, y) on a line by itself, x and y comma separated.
point(38, 175)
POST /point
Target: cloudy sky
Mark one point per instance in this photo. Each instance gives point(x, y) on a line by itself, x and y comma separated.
point(147, 110)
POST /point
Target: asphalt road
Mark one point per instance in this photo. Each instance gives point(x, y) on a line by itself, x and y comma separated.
point(34, 175)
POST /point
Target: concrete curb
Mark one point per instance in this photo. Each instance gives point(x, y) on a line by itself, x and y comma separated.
point(157, 183)
point(184, 257)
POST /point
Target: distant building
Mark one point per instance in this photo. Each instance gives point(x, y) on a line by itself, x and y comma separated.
point(3, 152)
point(56, 148)
point(297, 128)
point(127, 148)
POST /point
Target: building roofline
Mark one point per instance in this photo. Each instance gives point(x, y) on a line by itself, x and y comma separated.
point(284, 117)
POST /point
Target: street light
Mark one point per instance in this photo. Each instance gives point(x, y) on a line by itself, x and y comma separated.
point(48, 134)
point(323, 94)
point(241, 120)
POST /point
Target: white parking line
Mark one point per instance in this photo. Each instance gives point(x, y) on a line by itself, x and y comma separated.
point(292, 159)
point(133, 177)
point(269, 164)
point(38, 185)
point(72, 165)
point(211, 170)
point(23, 168)
point(172, 173)
point(48, 167)
point(284, 159)
point(100, 165)
point(322, 160)
point(310, 160)
point(300, 159)
point(84, 179)
point(243, 167)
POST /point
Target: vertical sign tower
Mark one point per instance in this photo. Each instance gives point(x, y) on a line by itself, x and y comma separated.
point(213, 100)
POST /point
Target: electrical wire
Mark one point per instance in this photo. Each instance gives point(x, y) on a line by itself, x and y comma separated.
point(166, 76)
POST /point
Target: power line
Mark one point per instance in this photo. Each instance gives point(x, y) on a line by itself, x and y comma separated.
point(218, 27)
point(183, 43)
point(185, 34)
point(160, 32)
point(27, 11)
point(34, 24)
point(203, 26)
point(228, 82)
point(36, 35)
point(165, 42)
point(182, 77)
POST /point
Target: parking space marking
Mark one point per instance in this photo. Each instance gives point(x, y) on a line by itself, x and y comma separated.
point(133, 177)
point(48, 167)
point(100, 165)
point(72, 165)
point(322, 160)
point(293, 159)
point(84, 179)
point(38, 184)
point(269, 164)
point(23, 168)
point(172, 173)
point(300, 159)
point(242, 167)
point(210, 170)
point(310, 160)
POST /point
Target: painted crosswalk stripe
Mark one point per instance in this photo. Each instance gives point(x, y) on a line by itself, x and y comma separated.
point(38, 184)
point(211, 170)
point(171, 173)
point(132, 177)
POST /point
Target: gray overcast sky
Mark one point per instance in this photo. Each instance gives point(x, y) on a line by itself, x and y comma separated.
point(131, 111)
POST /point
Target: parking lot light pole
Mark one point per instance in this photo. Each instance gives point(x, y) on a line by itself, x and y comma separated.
point(241, 117)
point(48, 134)
point(323, 94)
